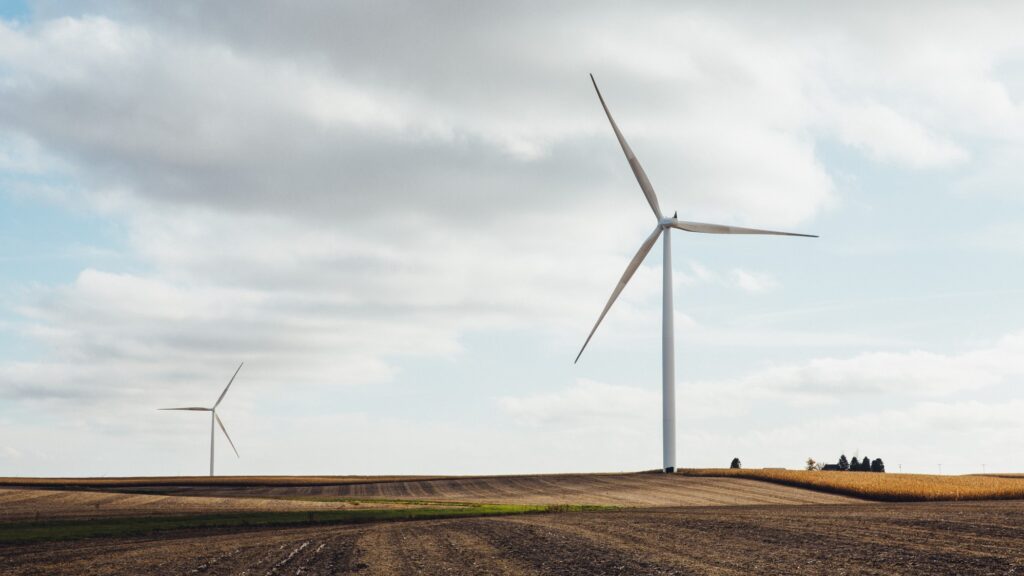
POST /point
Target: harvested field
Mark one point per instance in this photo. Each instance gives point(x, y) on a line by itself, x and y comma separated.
point(630, 490)
point(922, 538)
point(884, 487)
point(29, 504)
point(157, 481)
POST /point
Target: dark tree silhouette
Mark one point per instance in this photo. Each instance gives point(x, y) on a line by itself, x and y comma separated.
point(865, 464)
point(736, 464)
point(844, 464)
point(854, 465)
point(877, 465)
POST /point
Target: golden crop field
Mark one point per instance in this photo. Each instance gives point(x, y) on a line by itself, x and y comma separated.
point(887, 486)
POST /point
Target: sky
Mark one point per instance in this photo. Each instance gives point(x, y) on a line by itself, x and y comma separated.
point(405, 218)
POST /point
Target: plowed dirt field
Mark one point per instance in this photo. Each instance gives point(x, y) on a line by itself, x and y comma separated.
point(922, 538)
point(29, 504)
point(633, 490)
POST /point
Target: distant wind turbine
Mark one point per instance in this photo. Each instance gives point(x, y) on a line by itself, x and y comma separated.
point(214, 418)
point(662, 229)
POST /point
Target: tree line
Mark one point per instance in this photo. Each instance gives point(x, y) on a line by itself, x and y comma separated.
point(865, 464)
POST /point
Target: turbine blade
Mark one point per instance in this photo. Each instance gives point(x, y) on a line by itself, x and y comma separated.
point(228, 386)
point(720, 229)
point(225, 431)
point(630, 269)
point(194, 408)
point(638, 170)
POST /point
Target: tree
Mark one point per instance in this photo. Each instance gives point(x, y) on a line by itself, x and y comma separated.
point(854, 465)
point(865, 464)
point(877, 465)
point(843, 463)
point(811, 464)
point(735, 464)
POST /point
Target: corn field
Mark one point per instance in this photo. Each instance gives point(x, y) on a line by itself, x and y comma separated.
point(887, 487)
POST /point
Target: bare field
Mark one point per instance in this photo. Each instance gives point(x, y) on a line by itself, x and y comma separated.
point(38, 505)
point(919, 538)
point(161, 481)
point(627, 490)
point(698, 522)
point(885, 487)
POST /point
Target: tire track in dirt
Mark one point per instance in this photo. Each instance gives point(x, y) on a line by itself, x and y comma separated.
point(430, 548)
point(554, 551)
point(686, 548)
point(753, 541)
point(691, 547)
point(932, 538)
point(926, 531)
point(294, 551)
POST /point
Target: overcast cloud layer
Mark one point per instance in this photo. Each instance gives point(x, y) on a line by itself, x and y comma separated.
point(404, 218)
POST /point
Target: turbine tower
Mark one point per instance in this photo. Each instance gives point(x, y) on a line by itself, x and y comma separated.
point(214, 418)
point(662, 230)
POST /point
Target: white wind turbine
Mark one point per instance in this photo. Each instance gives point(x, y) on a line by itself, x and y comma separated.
point(214, 418)
point(662, 229)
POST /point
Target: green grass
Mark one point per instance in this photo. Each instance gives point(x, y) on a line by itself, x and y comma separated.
point(371, 501)
point(22, 532)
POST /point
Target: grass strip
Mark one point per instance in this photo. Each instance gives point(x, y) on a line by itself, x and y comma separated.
point(24, 532)
point(372, 501)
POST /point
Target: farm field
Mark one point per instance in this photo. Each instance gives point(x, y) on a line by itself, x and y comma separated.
point(88, 501)
point(696, 522)
point(885, 487)
point(624, 490)
point(917, 538)
point(158, 481)
point(31, 504)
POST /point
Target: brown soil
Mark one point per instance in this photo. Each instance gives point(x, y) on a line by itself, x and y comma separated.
point(139, 481)
point(627, 490)
point(30, 504)
point(924, 538)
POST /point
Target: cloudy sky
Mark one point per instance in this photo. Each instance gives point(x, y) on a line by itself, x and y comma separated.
point(405, 218)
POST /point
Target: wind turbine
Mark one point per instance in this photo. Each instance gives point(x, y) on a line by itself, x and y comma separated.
point(662, 229)
point(214, 418)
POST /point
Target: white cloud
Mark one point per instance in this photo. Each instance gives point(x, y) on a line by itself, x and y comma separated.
point(183, 118)
point(754, 281)
point(998, 174)
point(330, 192)
point(747, 280)
point(917, 373)
point(888, 136)
point(586, 403)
